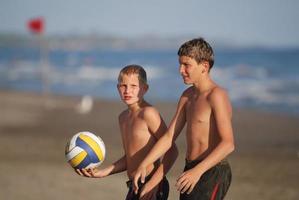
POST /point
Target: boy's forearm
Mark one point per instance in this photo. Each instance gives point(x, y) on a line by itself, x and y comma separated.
point(167, 162)
point(169, 158)
point(159, 149)
point(118, 166)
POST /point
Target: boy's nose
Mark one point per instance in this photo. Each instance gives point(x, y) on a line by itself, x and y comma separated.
point(182, 70)
point(127, 89)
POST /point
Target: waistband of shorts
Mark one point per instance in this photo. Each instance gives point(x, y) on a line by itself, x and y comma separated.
point(195, 162)
point(130, 183)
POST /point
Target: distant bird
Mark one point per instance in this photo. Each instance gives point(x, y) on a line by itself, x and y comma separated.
point(85, 105)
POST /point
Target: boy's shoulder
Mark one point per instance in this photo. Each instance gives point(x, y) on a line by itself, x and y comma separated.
point(217, 92)
point(151, 117)
point(218, 95)
point(149, 111)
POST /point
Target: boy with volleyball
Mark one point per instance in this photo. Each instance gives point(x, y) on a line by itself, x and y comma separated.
point(141, 126)
point(206, 110)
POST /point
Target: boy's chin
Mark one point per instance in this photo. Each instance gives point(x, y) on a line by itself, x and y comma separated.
point(188, 82)
point(128, 102)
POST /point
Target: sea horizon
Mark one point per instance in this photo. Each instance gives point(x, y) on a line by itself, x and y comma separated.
point(261, 78)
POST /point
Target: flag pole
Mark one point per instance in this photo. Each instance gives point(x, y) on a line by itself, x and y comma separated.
point(36, 26)
point(45, 70)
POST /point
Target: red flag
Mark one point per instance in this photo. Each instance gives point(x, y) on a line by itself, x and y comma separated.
point(36, 25)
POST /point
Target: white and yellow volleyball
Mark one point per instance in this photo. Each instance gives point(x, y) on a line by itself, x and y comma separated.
point(85, 150)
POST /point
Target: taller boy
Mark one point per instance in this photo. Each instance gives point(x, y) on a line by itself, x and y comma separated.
point(206, 109)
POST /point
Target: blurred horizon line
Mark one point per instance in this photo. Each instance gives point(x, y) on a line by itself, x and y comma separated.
point(85, 41)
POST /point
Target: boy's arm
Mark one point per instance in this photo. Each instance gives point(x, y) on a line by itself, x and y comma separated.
point(117, 167)
point(167, 162)
point(164, 143)
point(158, 127)
point(222, 112)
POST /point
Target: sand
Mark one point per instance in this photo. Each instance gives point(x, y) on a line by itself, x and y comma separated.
point(35, 129)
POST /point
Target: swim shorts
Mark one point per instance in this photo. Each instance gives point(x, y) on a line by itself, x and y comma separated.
point(212, 185)
point(162, 193)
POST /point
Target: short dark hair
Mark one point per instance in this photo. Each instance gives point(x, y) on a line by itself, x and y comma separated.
point(198, 49)
point(133, 69)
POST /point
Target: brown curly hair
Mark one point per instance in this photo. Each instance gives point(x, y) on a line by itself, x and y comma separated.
point(133, 69)
point(198, 49)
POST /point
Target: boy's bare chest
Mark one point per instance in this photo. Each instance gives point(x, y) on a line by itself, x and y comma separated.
point(134, 127)
point(135, 135)
point(198, 110)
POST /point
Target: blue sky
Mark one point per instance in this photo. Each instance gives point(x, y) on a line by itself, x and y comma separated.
point(254, 22)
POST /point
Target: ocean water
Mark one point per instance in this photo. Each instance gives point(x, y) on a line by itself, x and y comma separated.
point(255, 78)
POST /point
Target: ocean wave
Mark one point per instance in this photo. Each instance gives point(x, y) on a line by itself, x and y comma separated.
point(245, 83)
point(96, 74)
point(255, 84)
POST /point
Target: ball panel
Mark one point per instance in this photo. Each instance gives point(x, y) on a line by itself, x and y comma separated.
point(83, 164)
point(91, 154)
point(72, 142)
point(77, 160)
point(71, 153)
point(93, 145)
point(99, 142)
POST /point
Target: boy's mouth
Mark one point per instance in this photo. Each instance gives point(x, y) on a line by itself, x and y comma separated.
point(185, 77)
point(127, 97)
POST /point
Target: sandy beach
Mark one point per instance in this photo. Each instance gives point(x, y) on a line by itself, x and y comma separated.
point(35, 129)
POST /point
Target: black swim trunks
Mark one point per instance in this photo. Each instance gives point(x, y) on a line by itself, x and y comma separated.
point(212, 185)
point(162, 193)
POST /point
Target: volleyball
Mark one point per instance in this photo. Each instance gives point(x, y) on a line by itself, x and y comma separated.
point(85, 150)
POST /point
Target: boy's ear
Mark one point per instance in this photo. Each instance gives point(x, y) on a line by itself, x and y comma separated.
point(145, 87)
point(206, 66)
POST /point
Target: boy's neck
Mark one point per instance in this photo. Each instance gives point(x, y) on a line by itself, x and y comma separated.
point(204, 84)
point(136, 106)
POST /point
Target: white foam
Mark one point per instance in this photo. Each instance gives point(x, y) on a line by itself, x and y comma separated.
point(255, 83)
point(96, 74)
